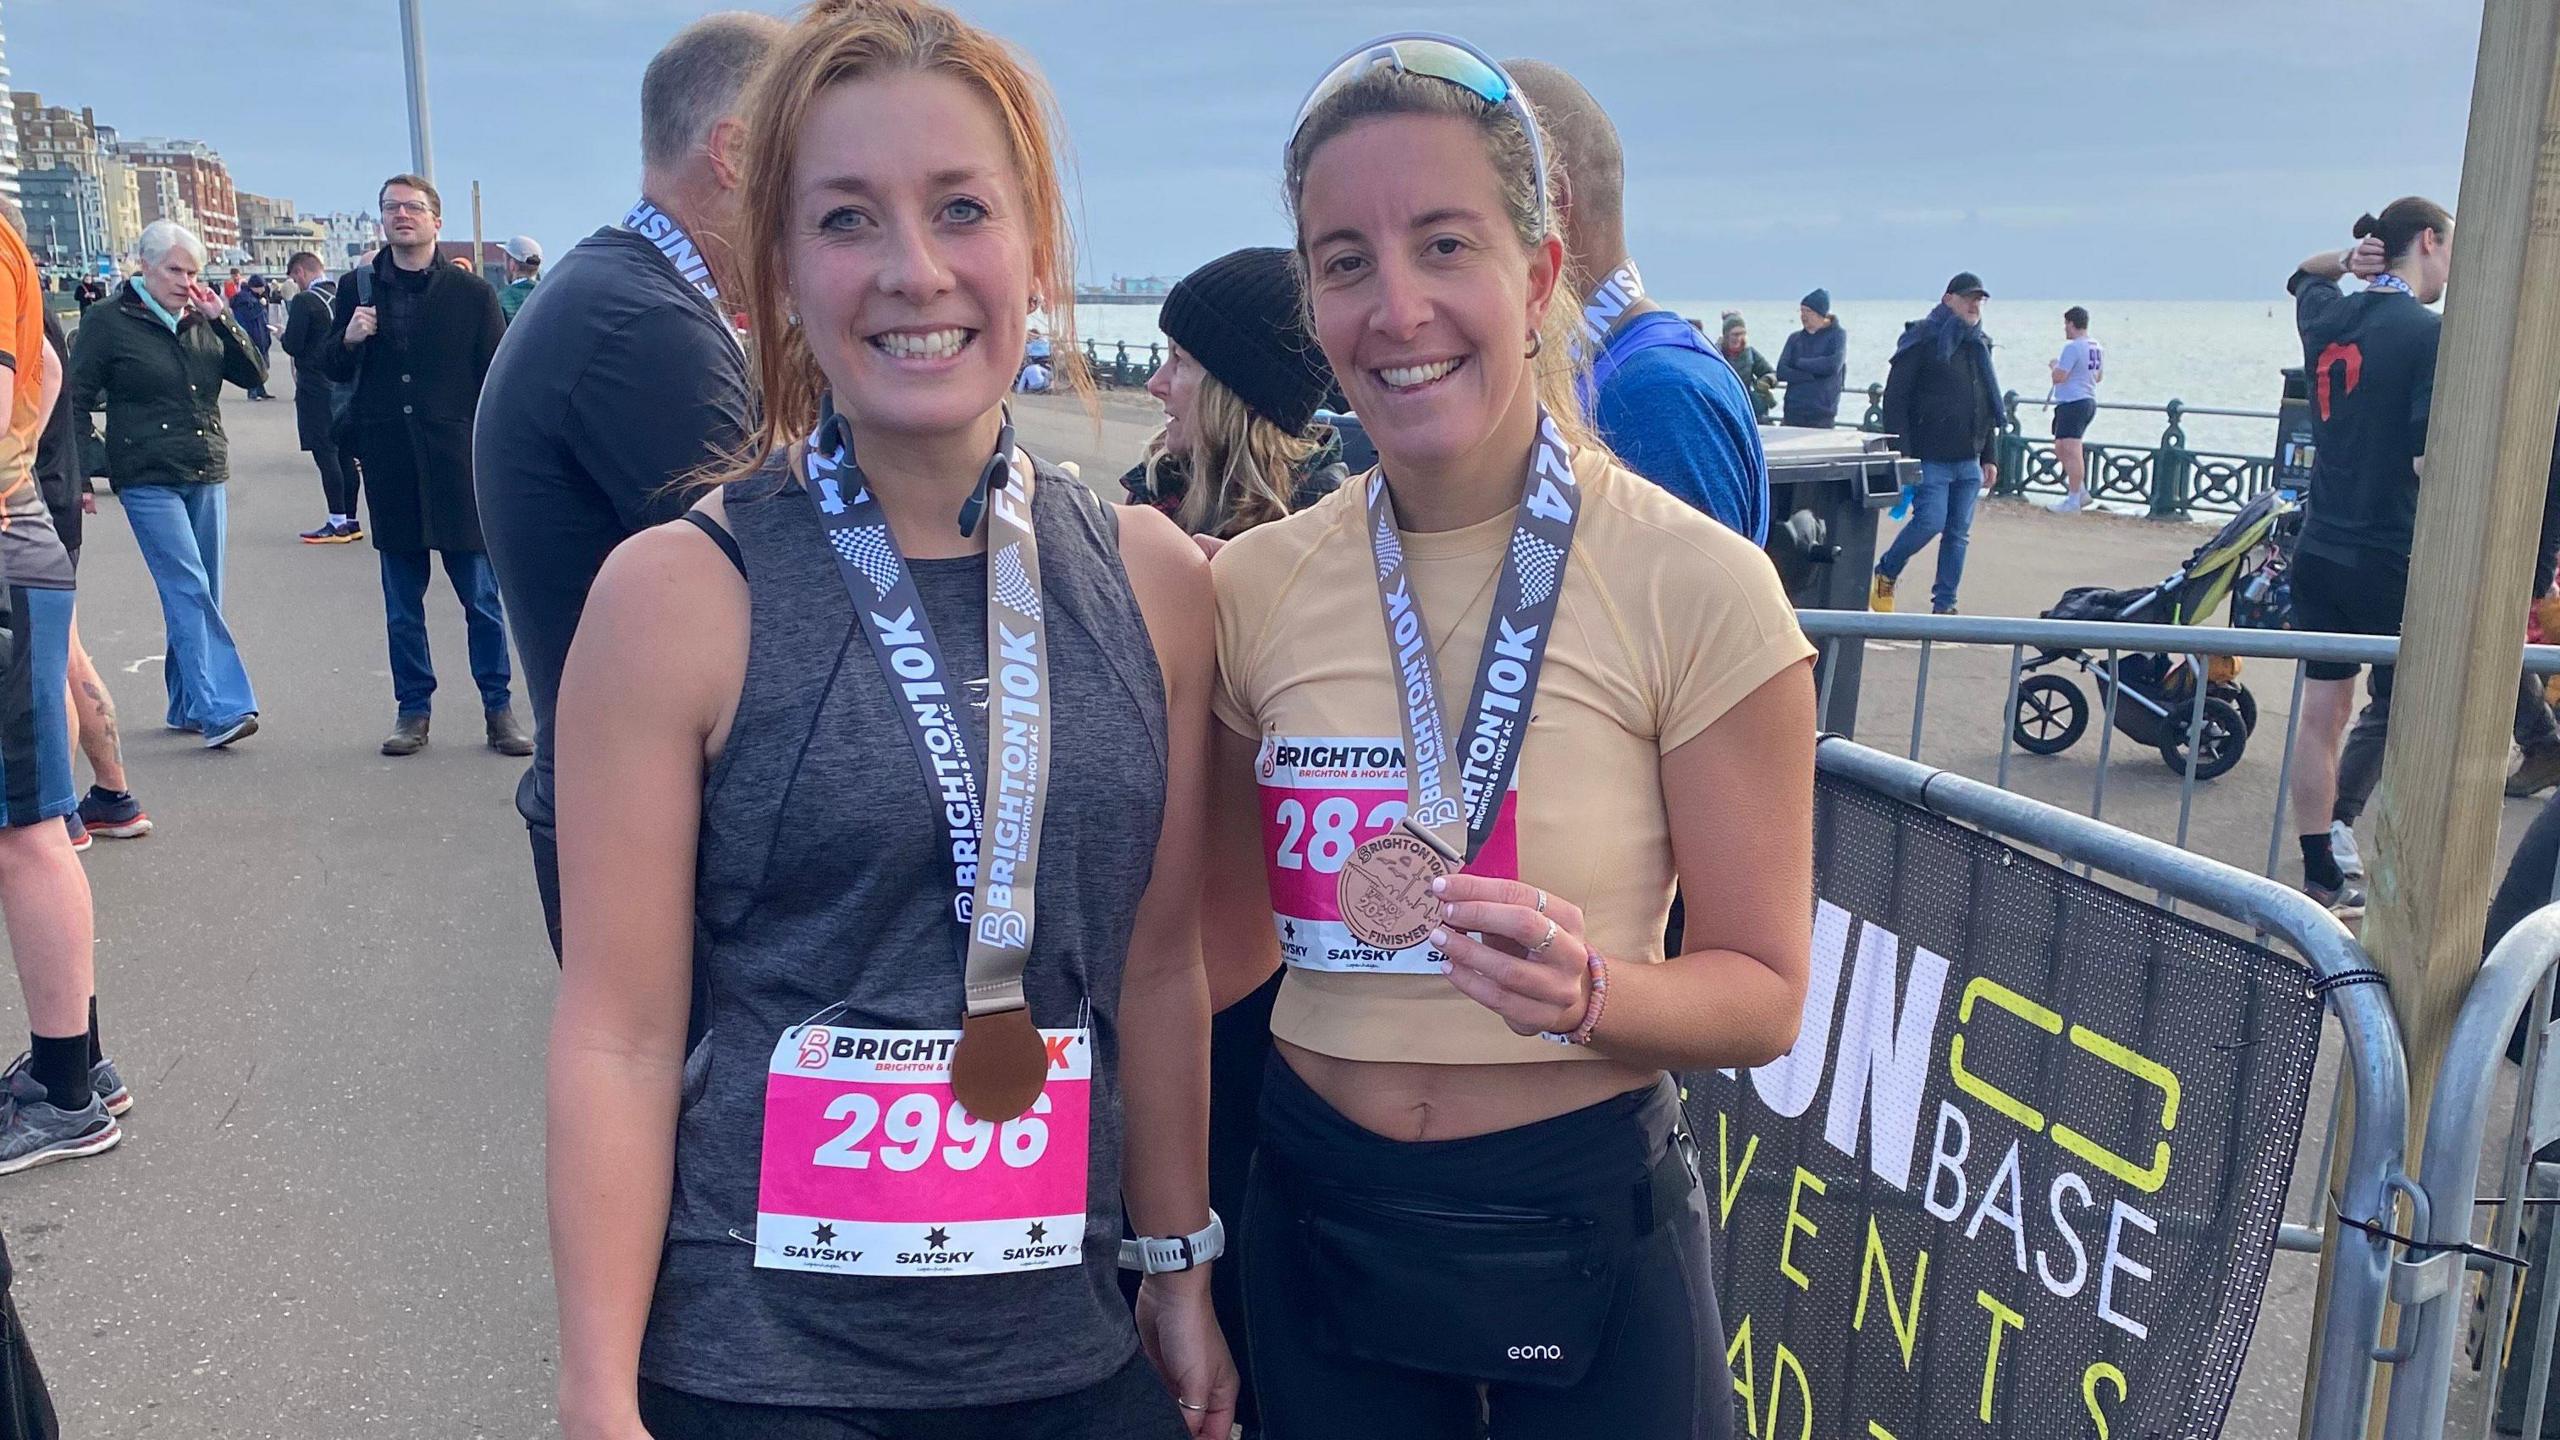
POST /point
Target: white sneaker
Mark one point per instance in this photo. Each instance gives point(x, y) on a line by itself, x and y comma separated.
point(2070, 504)
point(2342, 846)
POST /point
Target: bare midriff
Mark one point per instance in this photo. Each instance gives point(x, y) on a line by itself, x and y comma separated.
point(1451, 1102)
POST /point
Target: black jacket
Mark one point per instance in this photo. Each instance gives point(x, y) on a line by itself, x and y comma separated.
point(417, 386)
point(162, 390)
point(306, 325)
point(1812, 364)
point(615, 380)
point(1941, 397)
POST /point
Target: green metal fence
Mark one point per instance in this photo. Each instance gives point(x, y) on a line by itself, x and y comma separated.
point(2168, 481)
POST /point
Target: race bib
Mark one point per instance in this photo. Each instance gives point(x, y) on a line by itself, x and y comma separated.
point(872, 1168)
point(1321, 796)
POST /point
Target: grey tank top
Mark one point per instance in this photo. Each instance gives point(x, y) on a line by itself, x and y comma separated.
point(822, 879)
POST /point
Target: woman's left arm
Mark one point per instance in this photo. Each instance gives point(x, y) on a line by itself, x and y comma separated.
point(1164, 997)
point(1740, 798)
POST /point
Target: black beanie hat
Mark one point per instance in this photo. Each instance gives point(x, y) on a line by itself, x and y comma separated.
point(1238, 316)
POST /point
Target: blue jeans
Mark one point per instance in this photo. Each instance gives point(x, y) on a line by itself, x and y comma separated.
point(1941, 511)
point(404, 607)
point(180, 530)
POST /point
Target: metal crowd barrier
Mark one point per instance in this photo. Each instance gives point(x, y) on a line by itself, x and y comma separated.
point(2376, 1065)
point(2430, 1282)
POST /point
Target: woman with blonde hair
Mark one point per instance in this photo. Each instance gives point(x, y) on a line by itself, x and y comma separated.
point(881, 984)
point(1240, 384)
point(1473, 1196)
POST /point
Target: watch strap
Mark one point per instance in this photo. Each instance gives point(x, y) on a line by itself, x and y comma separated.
point(1172, 1254)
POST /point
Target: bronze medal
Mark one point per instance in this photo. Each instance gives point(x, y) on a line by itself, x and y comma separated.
point(1385, 890)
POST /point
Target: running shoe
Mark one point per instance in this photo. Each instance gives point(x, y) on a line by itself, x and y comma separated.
point(79, 833)
point(2539, 771)
point(18, 1084)
point(39, 1133)
point(113, 814)
point(324, 533)
point(1880, 593)
point(241, 729)
point(2344, 899)
point(2342, 848)
point(2070, 504)
point(350, 530)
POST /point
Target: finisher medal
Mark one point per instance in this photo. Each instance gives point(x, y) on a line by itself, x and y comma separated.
point(1451, 801)
point(1385, 889)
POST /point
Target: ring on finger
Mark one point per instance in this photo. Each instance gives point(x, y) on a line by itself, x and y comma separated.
point(1545, 940)
point(1542, 900)
point(1187, 1405)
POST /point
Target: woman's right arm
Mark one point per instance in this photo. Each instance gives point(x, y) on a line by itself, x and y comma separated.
point(638, 718)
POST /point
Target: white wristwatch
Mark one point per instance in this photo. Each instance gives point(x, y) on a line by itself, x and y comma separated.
point(1171, 1255)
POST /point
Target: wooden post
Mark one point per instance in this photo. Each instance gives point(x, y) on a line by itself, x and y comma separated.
point(2435, 851)
point(477, 268)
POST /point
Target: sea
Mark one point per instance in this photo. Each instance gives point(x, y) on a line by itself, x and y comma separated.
point(2217, 354)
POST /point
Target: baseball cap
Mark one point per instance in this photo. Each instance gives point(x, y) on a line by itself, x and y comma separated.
point(1967, 283)
point(524, 249)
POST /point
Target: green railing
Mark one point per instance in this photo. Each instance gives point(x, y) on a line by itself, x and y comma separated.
point(1119, 365)
point(2168, 480)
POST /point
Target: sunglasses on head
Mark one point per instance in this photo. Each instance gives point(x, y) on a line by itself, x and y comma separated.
point(1447, 59)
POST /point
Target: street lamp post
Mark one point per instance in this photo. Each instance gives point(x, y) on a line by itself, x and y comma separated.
point(413, 49)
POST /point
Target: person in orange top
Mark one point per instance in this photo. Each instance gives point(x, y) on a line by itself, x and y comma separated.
point(57, 1096)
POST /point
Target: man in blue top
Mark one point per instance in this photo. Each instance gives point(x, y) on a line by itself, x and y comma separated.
point(1659, 394)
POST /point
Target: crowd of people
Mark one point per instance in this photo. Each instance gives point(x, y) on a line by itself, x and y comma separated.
point(1128, 858)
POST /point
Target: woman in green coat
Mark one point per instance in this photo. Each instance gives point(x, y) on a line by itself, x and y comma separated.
point(154, 356)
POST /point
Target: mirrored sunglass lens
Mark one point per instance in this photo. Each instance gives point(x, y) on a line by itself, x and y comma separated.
point(1447, 62)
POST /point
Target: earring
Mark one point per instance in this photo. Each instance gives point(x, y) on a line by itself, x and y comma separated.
point(1537, 342)
point(1039, 303)
point(791, 318)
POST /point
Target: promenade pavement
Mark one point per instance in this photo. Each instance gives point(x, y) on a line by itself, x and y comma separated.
point(325, 978)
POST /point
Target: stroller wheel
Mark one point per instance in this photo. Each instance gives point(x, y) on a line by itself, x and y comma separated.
point(2225, 736)
point(2051, 715)
point(2242, 700)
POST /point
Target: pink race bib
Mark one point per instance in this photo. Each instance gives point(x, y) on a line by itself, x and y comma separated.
point(1321, 796)
point(872, 1168)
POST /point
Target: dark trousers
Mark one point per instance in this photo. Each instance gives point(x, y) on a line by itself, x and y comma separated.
point(260, 390)
point(404, 607)
point(1130, 1405)
point(339, 478)
point(546, 881)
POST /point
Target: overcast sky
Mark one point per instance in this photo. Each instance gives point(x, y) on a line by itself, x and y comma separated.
point(2168, 149)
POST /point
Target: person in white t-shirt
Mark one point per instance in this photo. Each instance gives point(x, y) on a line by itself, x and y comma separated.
point(2076, 373)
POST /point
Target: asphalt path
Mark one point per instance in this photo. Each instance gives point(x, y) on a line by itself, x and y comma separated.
point(325, 978)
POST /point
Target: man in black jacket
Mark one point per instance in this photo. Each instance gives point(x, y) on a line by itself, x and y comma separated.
point(307, 323)
point(620, 375)
point(415, 337)
point(1942, 406)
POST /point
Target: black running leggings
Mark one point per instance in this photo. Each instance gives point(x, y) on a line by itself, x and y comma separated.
point(338, 479)
point(1660, 1373)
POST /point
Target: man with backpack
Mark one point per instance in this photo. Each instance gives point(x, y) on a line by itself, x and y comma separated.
point(1659, 394)
point(319, 403)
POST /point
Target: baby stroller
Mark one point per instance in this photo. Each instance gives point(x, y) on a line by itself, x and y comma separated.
point(2155, 693)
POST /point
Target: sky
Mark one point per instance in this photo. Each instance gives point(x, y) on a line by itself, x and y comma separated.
point(2172, 149)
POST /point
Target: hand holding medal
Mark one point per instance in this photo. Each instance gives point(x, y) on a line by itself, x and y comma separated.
point(1533, 967)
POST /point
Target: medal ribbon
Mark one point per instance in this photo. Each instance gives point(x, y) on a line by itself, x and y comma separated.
point(660, 229)
point(994, 867)
point(1451, 803)
point(1618, 294)
point(2388, 281)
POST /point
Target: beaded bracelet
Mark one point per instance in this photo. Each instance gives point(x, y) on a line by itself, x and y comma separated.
point(1591, 1009)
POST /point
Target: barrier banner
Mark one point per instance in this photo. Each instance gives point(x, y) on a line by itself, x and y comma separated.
point(2021, 1175)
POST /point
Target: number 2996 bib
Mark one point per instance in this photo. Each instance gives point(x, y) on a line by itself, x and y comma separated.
point(1322, 795)
point(871, 1167)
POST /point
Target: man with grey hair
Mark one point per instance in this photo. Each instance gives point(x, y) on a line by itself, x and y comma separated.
point(621, 374)
point(1658, 393)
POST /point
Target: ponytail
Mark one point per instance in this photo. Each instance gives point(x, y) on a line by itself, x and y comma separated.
point(2402, 221)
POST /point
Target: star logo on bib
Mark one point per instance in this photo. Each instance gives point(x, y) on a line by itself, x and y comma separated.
point(826, 1235)
point(937, 1237)
point(1039, 1233)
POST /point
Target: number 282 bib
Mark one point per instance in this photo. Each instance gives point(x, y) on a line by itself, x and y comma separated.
point(1322, 795)
point(871, 1167)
